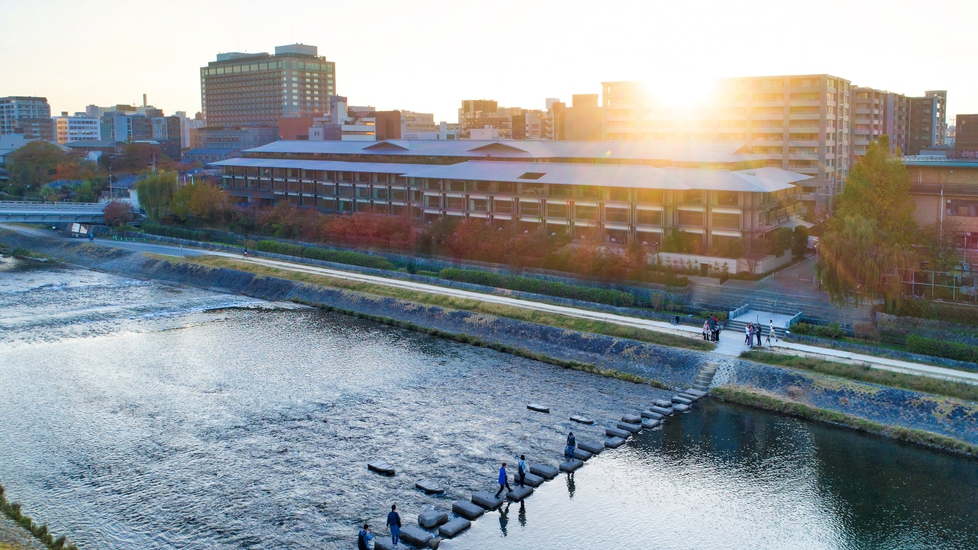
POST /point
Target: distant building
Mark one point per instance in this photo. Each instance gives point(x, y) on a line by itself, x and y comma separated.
point(877, 113)
point(945, 192)
point(423, 126)
point(257, 89)
point(10, 143)
point(966, 136)
point(205, 156)
point(79, 127)
point(30, 116)
point(186, 126)
point(941, 111)
point(484, 114)
point(233, 138)
point(580, 122)
point(924, 124)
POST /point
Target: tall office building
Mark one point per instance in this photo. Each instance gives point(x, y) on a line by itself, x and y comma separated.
point(877, 113)
point(941, 111)
point(796, 122)
point(30, 116)
point(245, 89)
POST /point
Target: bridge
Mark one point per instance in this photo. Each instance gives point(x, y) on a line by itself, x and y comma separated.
point(54, 213)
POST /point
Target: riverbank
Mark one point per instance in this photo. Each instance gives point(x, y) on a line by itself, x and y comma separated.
point(618, 356)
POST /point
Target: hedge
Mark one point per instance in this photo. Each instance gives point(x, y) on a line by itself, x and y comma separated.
point(175, 232)
point(916, 307)
point(822, 331)
point(942, 348)
point(539, 286)
point(324, 254)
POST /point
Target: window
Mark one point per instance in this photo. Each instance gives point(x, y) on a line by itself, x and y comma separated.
point(692, 196)
point(648, 217)
point(502, 206)
point(690, 218)
point(585, 212)
point(726, 221)
point(479, 205)
point(727, 198)
point(619, 194)
point(616, 215)
point(555, 210)
point(455, 203)
point(965, 208)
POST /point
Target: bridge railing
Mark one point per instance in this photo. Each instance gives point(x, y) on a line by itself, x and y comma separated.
point(21, 206)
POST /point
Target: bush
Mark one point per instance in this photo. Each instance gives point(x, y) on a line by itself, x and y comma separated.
point(175, 232)
point(942, 348)
point(720, 315)
point(324, 254)
point(822, 331)
point(936, 310)
point(538, 286)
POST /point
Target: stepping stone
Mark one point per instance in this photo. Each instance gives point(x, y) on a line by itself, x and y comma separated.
point(531, 480)
point(467, 510)
point(614, 442)
point(582, 419)
point(664, 403)
point(615, 432)
point(699, 394)
point(415, 536)
point(432, 518)
point(538, 407)
point(681, 400)
point(382, 542)
point(631, 418)
point(648, 423)
point(486, 500)
point(581, 454)
point(661, 410)
point(570, 465)
point(682, 408)
point(430, 486)
point(381, 467)
point(590, 447)
point(519, 493)
point(546, 472)
point(634, 428)
point(653, 415)
point(454, 527)
point(689, 396)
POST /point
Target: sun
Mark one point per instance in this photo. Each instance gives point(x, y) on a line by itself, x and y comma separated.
point(680, 91)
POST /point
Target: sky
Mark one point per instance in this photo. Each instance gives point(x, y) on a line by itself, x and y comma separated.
point(428, 56)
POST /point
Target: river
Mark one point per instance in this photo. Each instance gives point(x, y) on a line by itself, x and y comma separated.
point(144, 415)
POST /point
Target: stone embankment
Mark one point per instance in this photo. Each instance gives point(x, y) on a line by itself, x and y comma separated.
point(670, 367)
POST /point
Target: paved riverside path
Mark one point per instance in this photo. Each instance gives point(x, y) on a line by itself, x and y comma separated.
point(731, 342)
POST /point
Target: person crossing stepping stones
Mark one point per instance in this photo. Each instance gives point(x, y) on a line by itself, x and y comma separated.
point(364, 538)
point(394, 524)
point(521, 470)
point(503, 481)
point(571, 445)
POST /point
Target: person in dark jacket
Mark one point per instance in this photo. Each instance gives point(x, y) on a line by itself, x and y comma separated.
point(503, 481)
point(364, 538)
point(571, 445)
point(394, 524)
point(521, 470)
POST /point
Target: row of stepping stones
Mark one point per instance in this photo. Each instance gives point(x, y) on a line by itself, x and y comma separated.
point(466, 511)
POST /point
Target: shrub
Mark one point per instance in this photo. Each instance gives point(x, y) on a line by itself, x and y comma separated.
point(720, 315)
point(539, 286)
point(175, 232)
point(802, 328)
point(829, 331)
point(936, 310)
point(324, 254)
point(942, 348)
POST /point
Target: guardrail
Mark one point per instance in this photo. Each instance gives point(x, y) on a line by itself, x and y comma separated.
point(65, 206)
point(739, 311)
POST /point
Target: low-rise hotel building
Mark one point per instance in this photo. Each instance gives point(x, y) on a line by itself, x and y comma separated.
point(625, 190)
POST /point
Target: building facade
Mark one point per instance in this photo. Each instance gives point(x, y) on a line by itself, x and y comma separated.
point(77, 128)
point(877, 113)
point(924, 124)
point(241, 89)
point(581, 121)
point(966, 136)
point(945, 192)
point(623, 191)
point(941, 111)
point(798, 122)
point(30, 116)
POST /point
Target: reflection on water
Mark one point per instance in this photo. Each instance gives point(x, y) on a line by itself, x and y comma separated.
point(140, 415)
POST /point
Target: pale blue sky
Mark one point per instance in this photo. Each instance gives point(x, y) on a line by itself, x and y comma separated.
point(428, 56)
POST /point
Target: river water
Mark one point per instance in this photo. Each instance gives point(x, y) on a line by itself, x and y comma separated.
point(142, 415)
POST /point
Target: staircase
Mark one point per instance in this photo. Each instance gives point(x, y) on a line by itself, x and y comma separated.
point(705, 376)
point(739, 326)
point(815, 308)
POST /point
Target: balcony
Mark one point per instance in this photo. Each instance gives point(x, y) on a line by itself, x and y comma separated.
point(948, 188)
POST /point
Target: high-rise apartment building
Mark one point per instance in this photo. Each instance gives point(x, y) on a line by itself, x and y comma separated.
point(941, 111)
point(30, 116)
point(581, 121)
point(244, 89)
point(966, 136)
point(924, 124)
point(79, 127)
point(796, 122)
point(877, 113)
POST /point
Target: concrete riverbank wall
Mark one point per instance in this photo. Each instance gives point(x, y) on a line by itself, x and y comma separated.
point(672, 367)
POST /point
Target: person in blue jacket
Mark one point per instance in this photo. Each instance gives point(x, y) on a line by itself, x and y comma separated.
point(503, 480)
point(364, 538)
point(394, 524)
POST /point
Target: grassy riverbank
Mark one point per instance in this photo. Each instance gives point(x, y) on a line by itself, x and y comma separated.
point(865, 373)
point(464, 304)
point(782, 405)
point(13, 511)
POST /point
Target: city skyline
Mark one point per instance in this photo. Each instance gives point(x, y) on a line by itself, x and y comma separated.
point(400, 60)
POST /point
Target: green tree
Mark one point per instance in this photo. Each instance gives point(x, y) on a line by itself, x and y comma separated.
point(870, 236)
point(33, 165)
point(155, 193)
point(782, 240)
point(201, 200)
point(799, 241)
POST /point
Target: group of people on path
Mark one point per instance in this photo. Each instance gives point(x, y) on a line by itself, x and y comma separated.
point(366, 536)
point(753, 331)
point(711, 329)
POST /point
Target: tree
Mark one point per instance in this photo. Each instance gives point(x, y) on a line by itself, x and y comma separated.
point(155, 193)
point(871, 234)
point(799, 241)
point(782, 238)
point(118, 213)
point(33, 165)
point(201, 200)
